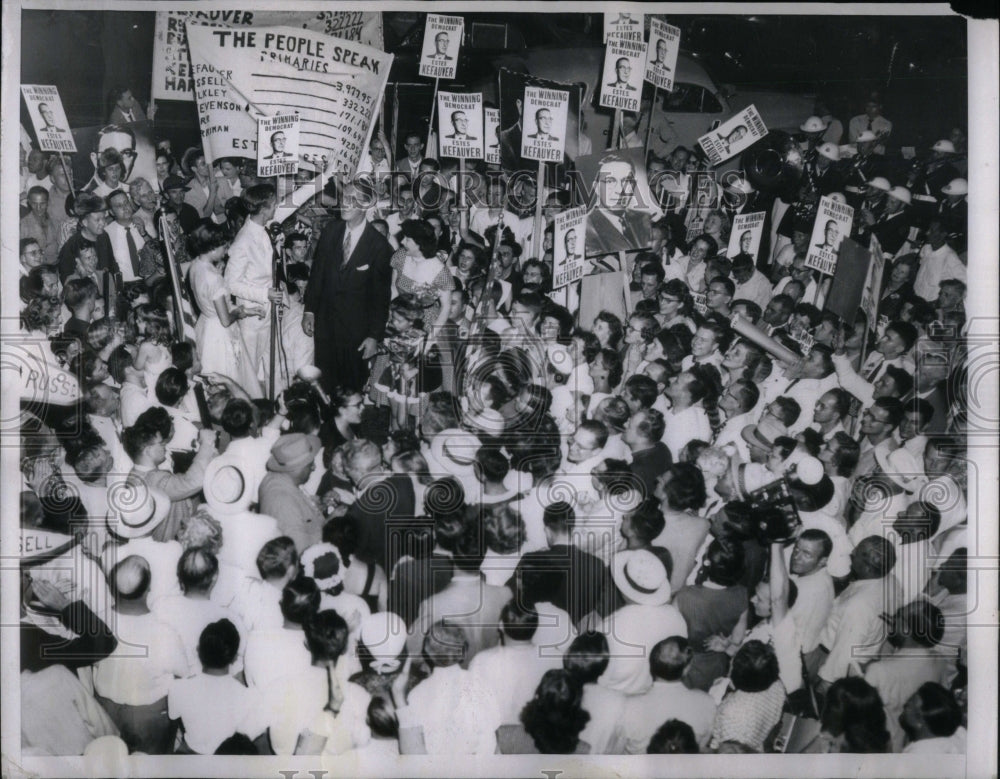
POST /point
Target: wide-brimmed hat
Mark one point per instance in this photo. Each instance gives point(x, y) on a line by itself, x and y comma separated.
point(813, 124)
point(956, 187)
point(174, 182)
point(945, 146)
point(902, 194)
point(902, 467)
point(880, 183)
point(293, 450)
point(87, 203)
point(763, 434)
point(641, 577)
point(739, 186)
point(323, 564)
point(384, 636)
point(867, 136)
point(136, 509)
point(829, 150)
point(227, 488)
point(455, 450)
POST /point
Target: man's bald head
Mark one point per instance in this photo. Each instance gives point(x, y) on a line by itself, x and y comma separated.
point(130, 579)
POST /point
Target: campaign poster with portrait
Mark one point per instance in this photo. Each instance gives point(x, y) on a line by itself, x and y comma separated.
point(135, 143)
point(612, 186)
point(833, 224)
point(567, 246)
point(544, 123)
point(623, 26)
point(277, 145)
point(621, 81)
point(442, 41)
point(733, 136)
point(46, 111)
point(491, 132)
point(661, 54)
point(460, 125)
point(746, 235)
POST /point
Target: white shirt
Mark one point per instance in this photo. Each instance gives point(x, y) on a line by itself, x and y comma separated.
point(134, 400)
point(162, 557)
point(631, 631)
point(757, 288)
point(249, 274)
point(812, 606)
point(936, 265)
point(645, 713)
point(509, 674)
point(732, 433)
point(684, 426)
point(274, 653)
point(855, 629)
point(212, 709)
point(456, 715)
point(141, 669)
point(119, 245)
point(189, 617)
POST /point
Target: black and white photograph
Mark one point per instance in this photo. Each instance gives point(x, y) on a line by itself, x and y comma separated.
point(490, 390)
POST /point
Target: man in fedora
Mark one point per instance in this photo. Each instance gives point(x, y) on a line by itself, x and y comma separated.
point(174, 190)
point(293, 458)
point(760, 438)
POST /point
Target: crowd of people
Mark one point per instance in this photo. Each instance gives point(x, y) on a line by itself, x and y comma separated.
point(469, 521)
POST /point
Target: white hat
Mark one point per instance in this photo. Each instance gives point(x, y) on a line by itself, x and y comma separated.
point(902, 467)
point(136, 509)
point(226, 487)
point(838, 197)
point(641, 577)
point(830, 150)
point(455, 450)
point(739, 185)
point(880, 182)
point(900, 193)
point(560, 358)
point(944, 146)
point(323, 564)
point(384, 636)
point(809, 471)
point(867, 136)
point(956, 187)
point(813, 125)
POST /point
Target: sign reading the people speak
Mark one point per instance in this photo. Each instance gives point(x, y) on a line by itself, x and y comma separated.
point(661, 54)
point(623, 26)
point(567, 246)
point(442, 41)
point(277, 145)
point(491, 132)
point(46, 111)
point(733, 136)
point(544, 136)
point(621, 82)
point(833, 224)
point(460, 125)
point(242, 75)
point(173, 77)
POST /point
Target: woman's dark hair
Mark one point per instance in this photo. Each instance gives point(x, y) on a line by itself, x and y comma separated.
point(591, 345)
point(422, 233)
point(685, 490)
point(326, 634)
point(854, 709)
point(612, 361)
point(755, 667)
point(615, 325)
point(587, 657)
point(339, 396)
point(206, 236)
point(503, 528)
point(554, 718)
point(561, 314)
point(673, 737)
point(723, 564)
point(218, 644)
point(299, 599)
point(477, 252)
point(182, 354)
point(303, 418)
point(676, 288)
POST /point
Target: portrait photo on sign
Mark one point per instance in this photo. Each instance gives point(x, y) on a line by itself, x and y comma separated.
point(544, 122)
point(442, 41)
point(833, 224)
point(460, 125)
point(745, 236)
point(277, 145)
point(661, 54)
point(491, 135)
point(48, 118)
point(621, 79)
point(733, 136)
point(114, 154)
point(623, 25)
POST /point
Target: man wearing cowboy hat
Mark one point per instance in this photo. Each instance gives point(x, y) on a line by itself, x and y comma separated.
point(893, 227)
point(174, 190)
point(298, 515)
point(936, 172)
point(91, 211)
point(953, 211)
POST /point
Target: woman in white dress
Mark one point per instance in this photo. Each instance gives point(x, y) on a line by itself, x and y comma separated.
point(220, 344)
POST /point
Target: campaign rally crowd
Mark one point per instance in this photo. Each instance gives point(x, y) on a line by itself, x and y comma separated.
point(451, 515)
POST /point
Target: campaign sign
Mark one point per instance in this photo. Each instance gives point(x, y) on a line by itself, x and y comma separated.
point(47, 115)
point(661, 54)
point(745, 237)
point(460, 125)
point(621, 82)
point(733, 136)
point(277, 145)
point(623, 26)
point(545, 112)
point(567, 247)
point(832, 225)
point(442, 40)
point(491, 132)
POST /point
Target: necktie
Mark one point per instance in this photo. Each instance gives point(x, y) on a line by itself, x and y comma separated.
point(869, 124)
point(791, 384)
point(133, 252)
point(874, 371)
point(347, 247)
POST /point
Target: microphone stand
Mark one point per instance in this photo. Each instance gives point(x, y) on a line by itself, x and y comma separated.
point(277, 276)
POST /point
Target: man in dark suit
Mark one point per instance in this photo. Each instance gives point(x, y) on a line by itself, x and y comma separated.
point(623, 69)
point(441, 48)
point(611, 226)
point(347, 300)
point(278, 147)
point(460, 125)
point(543, 121)
point(91, 210)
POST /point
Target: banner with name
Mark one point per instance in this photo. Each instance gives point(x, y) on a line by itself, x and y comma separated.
point(173, 78)
point(746, 235)
point(244, 74)
point(277, 145)
point(442, 41)
point(623, 26)
point(460, 125)
point(621, 82)
point(544, 135)
point(733, 136)
point(661, 54)
point(48, 118)
point(833, 224)
point(491, 132)
point(567, 247)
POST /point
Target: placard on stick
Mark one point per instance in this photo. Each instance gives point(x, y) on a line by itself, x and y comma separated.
point(746, 235)
point(567, 246)
point(544, 136)
point(442, 41)
point(460, 125)
point(624, 26)
point(833, 224)
point(491, 132)
point(661, 54)
point(733, 136)
point(277, 145)
point(48, 118)
point(621, 82)
point(847, 287)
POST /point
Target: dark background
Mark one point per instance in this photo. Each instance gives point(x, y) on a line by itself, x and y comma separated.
point(918, 63)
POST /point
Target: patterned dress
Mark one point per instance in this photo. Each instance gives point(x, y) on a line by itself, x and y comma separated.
point(424, 278)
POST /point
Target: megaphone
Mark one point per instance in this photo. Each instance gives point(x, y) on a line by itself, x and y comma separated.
point(774, 165)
